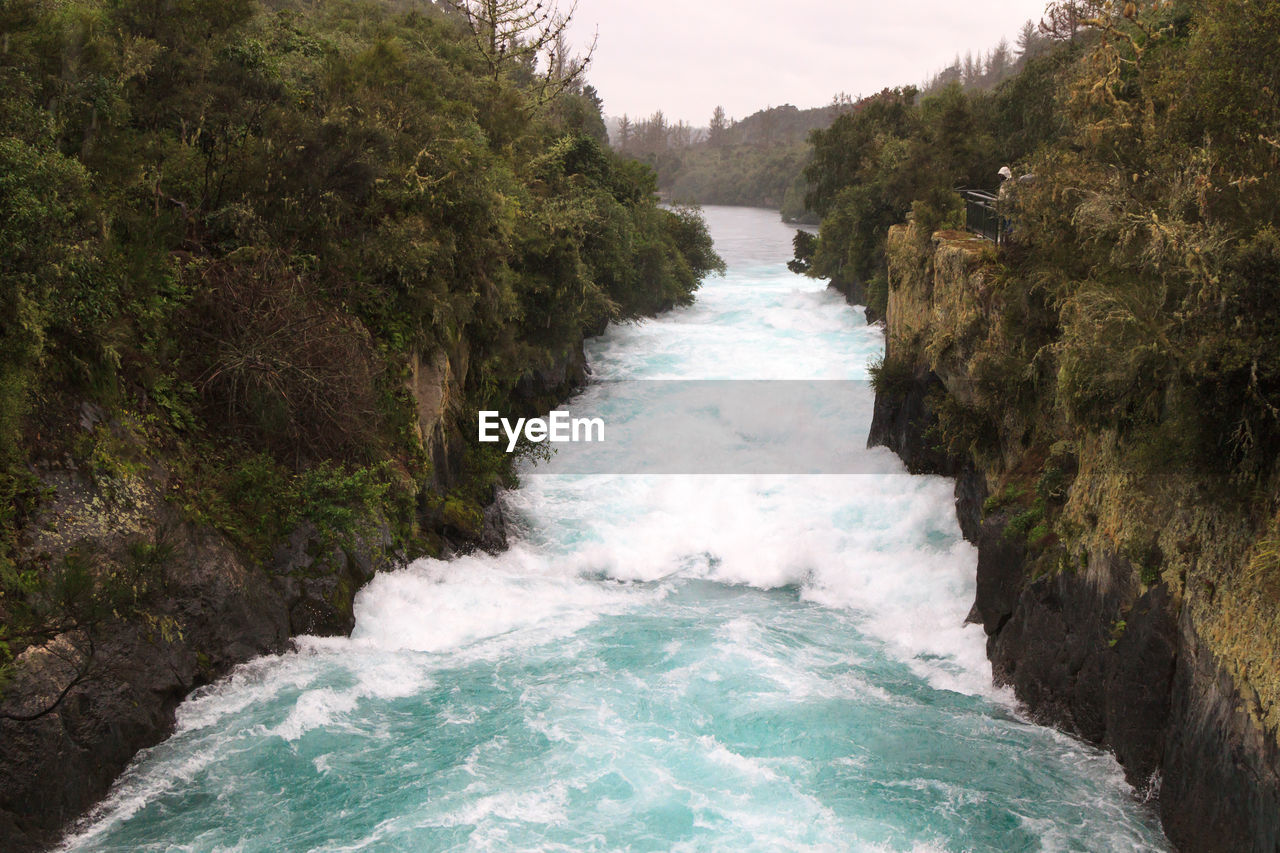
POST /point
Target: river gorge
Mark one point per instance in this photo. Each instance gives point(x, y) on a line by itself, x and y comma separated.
point(754, 661)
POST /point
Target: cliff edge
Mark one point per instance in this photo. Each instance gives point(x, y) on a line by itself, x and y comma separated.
point(1126, 598)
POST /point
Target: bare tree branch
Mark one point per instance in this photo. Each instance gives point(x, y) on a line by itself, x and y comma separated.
point(82, 670)
point(512, 36)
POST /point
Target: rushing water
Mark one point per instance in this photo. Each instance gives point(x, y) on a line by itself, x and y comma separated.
point(742, 662)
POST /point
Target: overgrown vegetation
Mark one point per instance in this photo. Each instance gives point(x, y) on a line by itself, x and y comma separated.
point(1119, 352)
point(240, 220)
point(1145, 236)
point(903, 153)
point(892, 376)
point(1150, 230)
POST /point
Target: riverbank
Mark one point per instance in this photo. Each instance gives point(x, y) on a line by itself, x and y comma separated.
point(79, 707)
point(260, 264)
point(1116, 603)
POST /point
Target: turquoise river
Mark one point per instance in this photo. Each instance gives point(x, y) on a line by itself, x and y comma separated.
point(744, 662)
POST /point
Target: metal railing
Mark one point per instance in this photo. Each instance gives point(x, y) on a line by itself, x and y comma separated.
point(981, 216)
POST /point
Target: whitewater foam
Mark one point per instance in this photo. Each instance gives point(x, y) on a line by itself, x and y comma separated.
point(658, 662)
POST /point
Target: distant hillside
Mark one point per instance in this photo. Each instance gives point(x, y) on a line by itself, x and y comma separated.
point(760, 160)
point(756, 161)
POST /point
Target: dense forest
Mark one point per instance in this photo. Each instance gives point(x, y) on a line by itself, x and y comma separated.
point(1143, 217)
point(262, 260)
point(231, 231)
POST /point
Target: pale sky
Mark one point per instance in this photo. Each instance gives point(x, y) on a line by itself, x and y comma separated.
point(686, 56)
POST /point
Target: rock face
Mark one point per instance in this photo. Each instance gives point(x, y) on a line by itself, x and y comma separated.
point(901, 422)
point(1086, 643)
point(218, 607)
point(855, 293)
point(435, 382)
point(210, 607)
point(319, 581)
point(1072, 659)
point(1221, 788)
point(222, 612)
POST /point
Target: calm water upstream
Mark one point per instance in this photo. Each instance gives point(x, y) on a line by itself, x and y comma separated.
point(743, 662)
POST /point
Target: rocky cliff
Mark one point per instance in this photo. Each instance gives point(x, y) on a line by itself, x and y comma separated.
point(1126, 601)
point(81, 705)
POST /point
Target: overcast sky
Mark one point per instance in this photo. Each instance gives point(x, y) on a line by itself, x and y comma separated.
point(686, 56)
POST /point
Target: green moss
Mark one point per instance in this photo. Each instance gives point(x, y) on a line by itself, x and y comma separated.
point(1039, 535)
point(878, 294)
point(114, 451)
point(1010, 493)
point(1117, 631)
point(463, 515)
point(257, 501)
point(1028, 523)
point(962, 429)
point(343, 595)
point(1143, 550)
point(1058, 473)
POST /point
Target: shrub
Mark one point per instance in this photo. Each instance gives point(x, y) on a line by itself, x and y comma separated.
point(892, 376)
point(1011, 493)
point(277, 368)
point(962, 428)
point(1029, 521)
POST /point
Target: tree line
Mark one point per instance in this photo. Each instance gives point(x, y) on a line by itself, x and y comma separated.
point(761, 160)
point(990, 69)
point(228, 230)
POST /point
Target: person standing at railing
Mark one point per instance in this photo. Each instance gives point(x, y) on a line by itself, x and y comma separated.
point(1004, 226)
